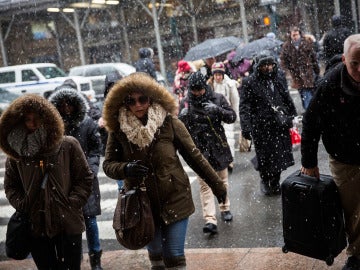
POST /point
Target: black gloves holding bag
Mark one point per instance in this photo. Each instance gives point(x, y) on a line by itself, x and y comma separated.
point(136, 170)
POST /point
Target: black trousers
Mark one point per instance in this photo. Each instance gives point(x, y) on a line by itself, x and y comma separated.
point(270, 178)
point(58, 253)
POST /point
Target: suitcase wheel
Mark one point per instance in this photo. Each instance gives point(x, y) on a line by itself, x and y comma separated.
point(329, 260)
point(284, 249)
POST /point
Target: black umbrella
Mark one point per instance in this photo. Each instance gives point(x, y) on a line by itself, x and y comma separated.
point(212, 47)
point(253, 48)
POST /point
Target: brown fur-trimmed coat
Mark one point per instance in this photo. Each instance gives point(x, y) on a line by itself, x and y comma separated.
point(69, 176)
point(167, 183)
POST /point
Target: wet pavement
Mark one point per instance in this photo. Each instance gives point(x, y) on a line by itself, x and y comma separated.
point(205, 259)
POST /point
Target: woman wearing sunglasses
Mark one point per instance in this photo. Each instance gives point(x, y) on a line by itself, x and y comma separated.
point(144, 138)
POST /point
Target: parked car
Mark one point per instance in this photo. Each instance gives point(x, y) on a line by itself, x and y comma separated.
point(40, 78)
point(97, 73)
point(6, 97)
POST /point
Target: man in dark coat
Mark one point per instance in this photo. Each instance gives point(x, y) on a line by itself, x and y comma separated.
point(203, 112)
point(334, 40)
point(73, 109)
point(145, 62)
point(334, 116)
point(264, 93)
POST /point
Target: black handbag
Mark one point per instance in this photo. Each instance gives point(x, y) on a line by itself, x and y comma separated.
point(281, 116)
point(133, 220)
point(18, 236)
point(18, 233)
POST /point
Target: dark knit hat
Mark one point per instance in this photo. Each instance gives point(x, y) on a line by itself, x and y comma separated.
point(265, 57)
point(197, 81)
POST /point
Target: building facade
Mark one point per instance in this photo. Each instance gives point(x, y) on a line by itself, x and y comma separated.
point(114, 33)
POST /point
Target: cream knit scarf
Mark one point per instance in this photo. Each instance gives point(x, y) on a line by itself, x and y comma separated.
point(135, 131)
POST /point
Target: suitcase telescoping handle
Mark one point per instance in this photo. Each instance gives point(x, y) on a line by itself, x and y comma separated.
point(301, 186)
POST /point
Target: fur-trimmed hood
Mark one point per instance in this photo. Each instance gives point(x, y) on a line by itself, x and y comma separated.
point(14, 115)
point(135, 82)
point(75, 99)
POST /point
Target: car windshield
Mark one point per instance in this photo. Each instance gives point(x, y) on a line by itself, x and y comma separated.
point(51, 72)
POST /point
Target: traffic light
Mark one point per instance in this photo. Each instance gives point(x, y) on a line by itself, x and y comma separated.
point(266, 20)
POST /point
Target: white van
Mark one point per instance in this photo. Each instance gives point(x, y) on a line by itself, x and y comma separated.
point(41, 79)
point(97, 73)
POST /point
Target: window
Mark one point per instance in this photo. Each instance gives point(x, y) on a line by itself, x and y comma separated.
point(51, 72)
point(7, 77)
point(28, 75)
point(94, 72)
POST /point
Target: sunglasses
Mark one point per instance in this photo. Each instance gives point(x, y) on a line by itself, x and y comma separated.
point(130, 101)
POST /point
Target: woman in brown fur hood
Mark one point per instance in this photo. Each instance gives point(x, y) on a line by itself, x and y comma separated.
point(31, 134)
point(144, 137)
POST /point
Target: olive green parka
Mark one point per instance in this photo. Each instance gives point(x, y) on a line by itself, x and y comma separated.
point(167, 183)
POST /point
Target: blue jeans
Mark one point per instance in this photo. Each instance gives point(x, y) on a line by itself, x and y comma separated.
point(306, 95)
point(92, 234)
point(169, 240)
point(120, 184)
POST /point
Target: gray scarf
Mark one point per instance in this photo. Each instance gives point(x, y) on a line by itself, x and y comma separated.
point(27, 144)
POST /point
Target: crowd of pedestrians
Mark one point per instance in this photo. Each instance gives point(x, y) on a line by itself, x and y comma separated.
point(143, 128)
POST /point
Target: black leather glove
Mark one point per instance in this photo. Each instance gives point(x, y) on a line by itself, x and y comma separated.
point(135, 169)
point(246, 135)
point(211, 108)
point(222, 198)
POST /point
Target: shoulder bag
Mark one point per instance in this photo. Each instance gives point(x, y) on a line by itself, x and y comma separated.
point(133, 220)
point(281, 116)
point(18, 233)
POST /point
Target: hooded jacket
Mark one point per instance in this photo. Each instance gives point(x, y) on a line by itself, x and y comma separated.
point(167, 183)
point(85, 130)
point(259, 93)
point(58, 207)
point(206, 128)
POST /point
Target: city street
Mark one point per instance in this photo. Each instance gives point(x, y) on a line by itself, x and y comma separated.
point(257, 219)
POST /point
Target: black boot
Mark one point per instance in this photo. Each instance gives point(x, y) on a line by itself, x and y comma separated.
point(95, 260)
point(265, 187)
point(275, 185)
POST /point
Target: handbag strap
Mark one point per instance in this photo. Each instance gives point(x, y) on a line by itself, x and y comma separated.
point(224, 144)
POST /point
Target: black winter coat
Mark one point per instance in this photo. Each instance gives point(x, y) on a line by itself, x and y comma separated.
point(206, 129)
point(145, 63)
point(334, 42)
point(272, 142)
point(334, 116)
point(86, 131)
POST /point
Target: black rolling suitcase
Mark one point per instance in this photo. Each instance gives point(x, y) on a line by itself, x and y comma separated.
point(313, 223)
